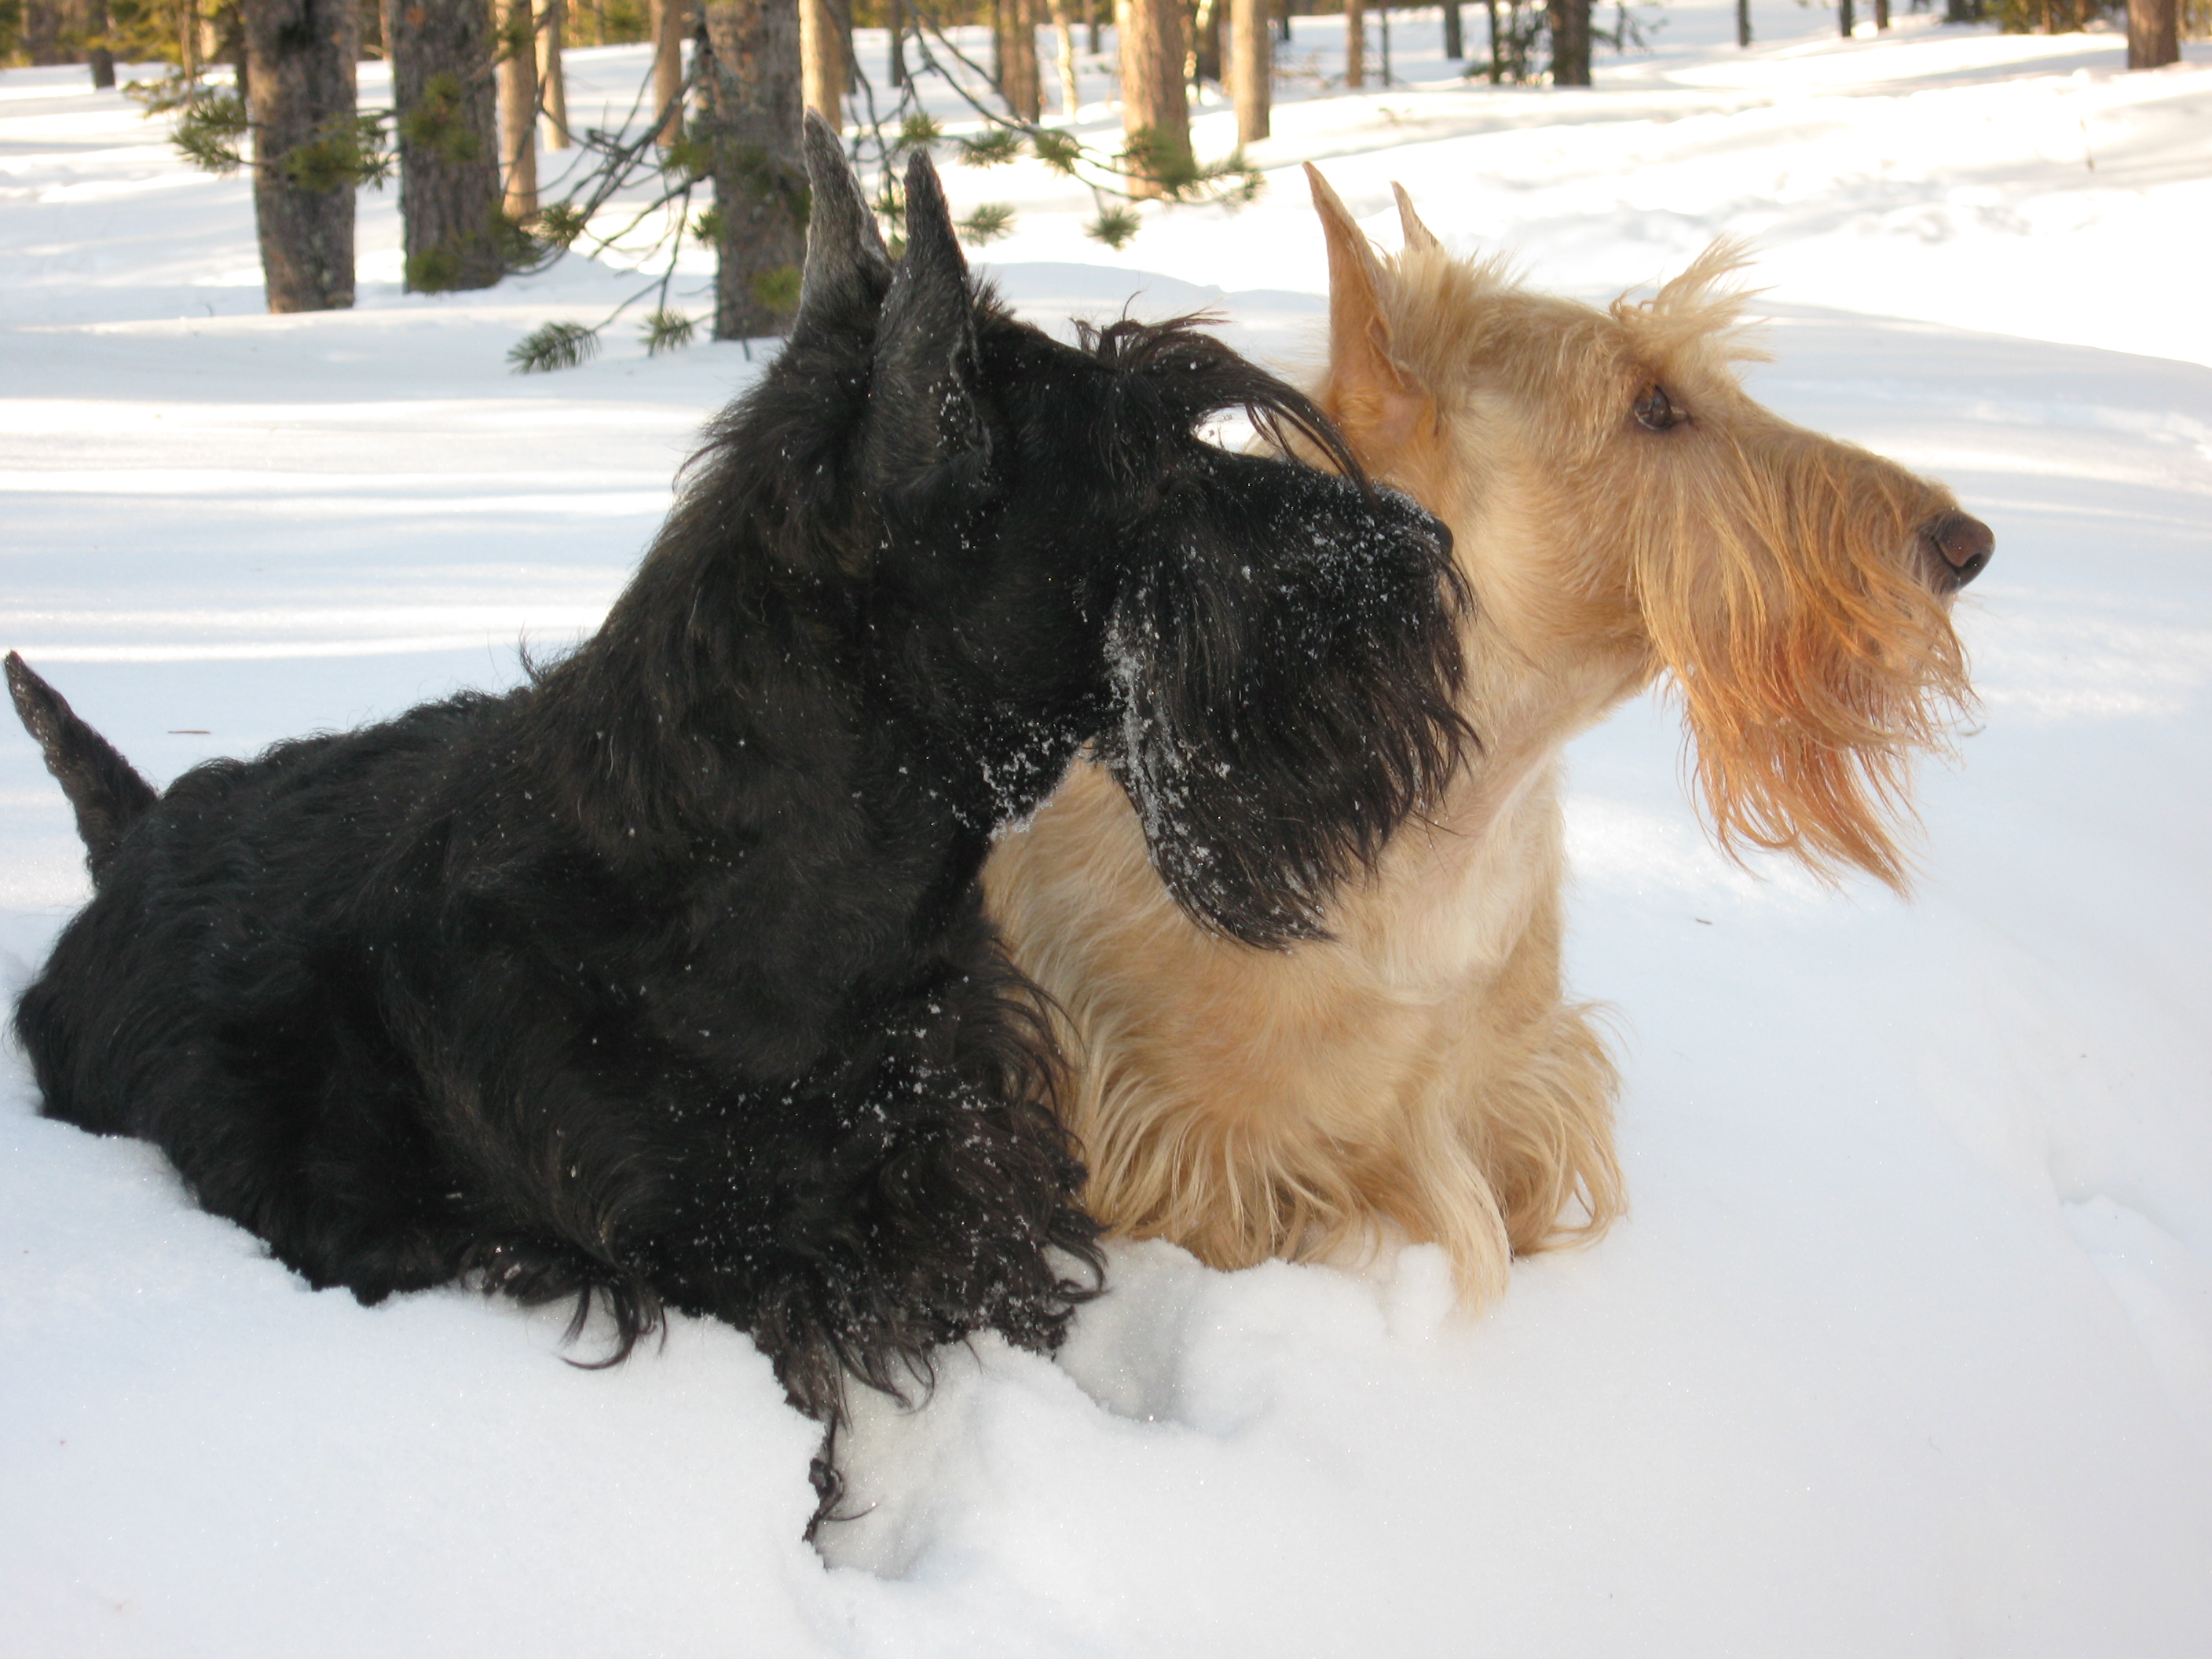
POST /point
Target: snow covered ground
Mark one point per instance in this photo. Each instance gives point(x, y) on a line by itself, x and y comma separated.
point(1906, 1348)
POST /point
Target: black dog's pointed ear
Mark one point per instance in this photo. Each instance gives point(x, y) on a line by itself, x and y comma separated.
point(923, 408)
point(846, 266)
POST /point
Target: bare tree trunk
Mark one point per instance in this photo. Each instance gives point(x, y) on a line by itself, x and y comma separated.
point(1091, 17)
point(1251, 69)
point(822, 51)
point(1570, 43)
point(1743, 23)
point(188, 41)
point(1355, 44)
point(449, 129)
point(2153, 33)
point(897, 12)
point(1845, 21)
point(301, 55)
point(1881, 15)
point(1070, 90)
point(552, 79)
point(1455, 36)
point(517, 108)
point(753, 110)
point(1013, 46)
point(671, 23)
point(1497, 45)
point(99, 57)
point(1155, 109)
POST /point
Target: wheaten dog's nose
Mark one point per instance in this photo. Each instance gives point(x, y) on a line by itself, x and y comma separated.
point(1962, 542)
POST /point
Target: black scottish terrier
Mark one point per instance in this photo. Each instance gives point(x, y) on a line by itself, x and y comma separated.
point(663, 981)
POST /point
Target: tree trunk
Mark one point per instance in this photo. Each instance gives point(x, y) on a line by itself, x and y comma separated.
point(1455, 36)
point(1743, 22)
point(1570, 43)
point(822, 50)
point(1355, 44)
point(448, 131)
point(752, 112)
point(99, 57)
point(2153, 33)
point(552, 79)
point(1014, 58)
point(1090, 18)
point(301, 56)
point(1206, 41)
point(897, 12)
point(1155, 111)
point(1251, 69)
point(1070, 90)
point(1497, 45)
point(1881, 15)
point(1845, 21)
point(672, 22)
point(517, 108)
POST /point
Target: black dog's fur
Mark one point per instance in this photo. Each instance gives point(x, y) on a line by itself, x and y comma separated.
point(663, 980)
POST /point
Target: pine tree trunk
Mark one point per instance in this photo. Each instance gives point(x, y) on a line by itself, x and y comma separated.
point(301, 54)
point(1743, 23)
point(1881, 15)
point(1014, 54)
point(1570, 43)
point(1155, 112)
point(99, 58)
point(822, 48)
point(897, 12)
point(1497, 45)
point(1251, 69)
point(752, 112)
point(1455, 36)
point(448, 129)
point(552, 78)
point(1355, 44)
point(2153, 33)
point(517, 108)
point(672, 22)
point(1845, 21)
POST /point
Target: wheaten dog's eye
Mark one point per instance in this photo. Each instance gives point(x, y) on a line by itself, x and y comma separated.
point(1657, 410)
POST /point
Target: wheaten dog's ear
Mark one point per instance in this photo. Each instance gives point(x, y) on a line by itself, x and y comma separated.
point(1380, 404)
point(1417, 235)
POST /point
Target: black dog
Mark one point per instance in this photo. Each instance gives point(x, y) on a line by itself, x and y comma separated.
point(663, 980)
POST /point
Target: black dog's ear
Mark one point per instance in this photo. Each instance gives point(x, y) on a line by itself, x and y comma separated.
point(922, 411)
point(1274, 727)
point(846, 267)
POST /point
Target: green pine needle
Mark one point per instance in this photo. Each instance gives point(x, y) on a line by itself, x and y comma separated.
point(556, 345)
point(666, 331)
point(991, 148)
point(1113, 226)
point(987, 223)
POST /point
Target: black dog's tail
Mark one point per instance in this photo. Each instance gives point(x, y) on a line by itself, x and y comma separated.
point(100, 783)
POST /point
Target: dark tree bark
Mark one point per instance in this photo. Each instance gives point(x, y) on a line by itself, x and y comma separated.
point(752, 112)
point(441, 54)
point(1845, 23)
point(1454, 36)
point(1155, 108)
point(1743, 22)
point(1881, 14)
point(1570, 43)
point(1355, 44)
point(2153, 33)
point(1206, 40)
point(301, 55)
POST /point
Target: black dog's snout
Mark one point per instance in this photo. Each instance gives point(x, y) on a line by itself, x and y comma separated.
point(1961, 544)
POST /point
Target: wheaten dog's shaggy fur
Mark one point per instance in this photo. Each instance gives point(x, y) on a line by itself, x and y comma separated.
point(1624, 511)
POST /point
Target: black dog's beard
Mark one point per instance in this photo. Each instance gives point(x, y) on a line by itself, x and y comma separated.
point(1275, 726)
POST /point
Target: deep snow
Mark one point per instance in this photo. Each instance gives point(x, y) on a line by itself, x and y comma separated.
point(1906, 1347)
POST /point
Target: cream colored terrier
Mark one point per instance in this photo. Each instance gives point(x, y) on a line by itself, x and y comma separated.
point(1624, 511)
